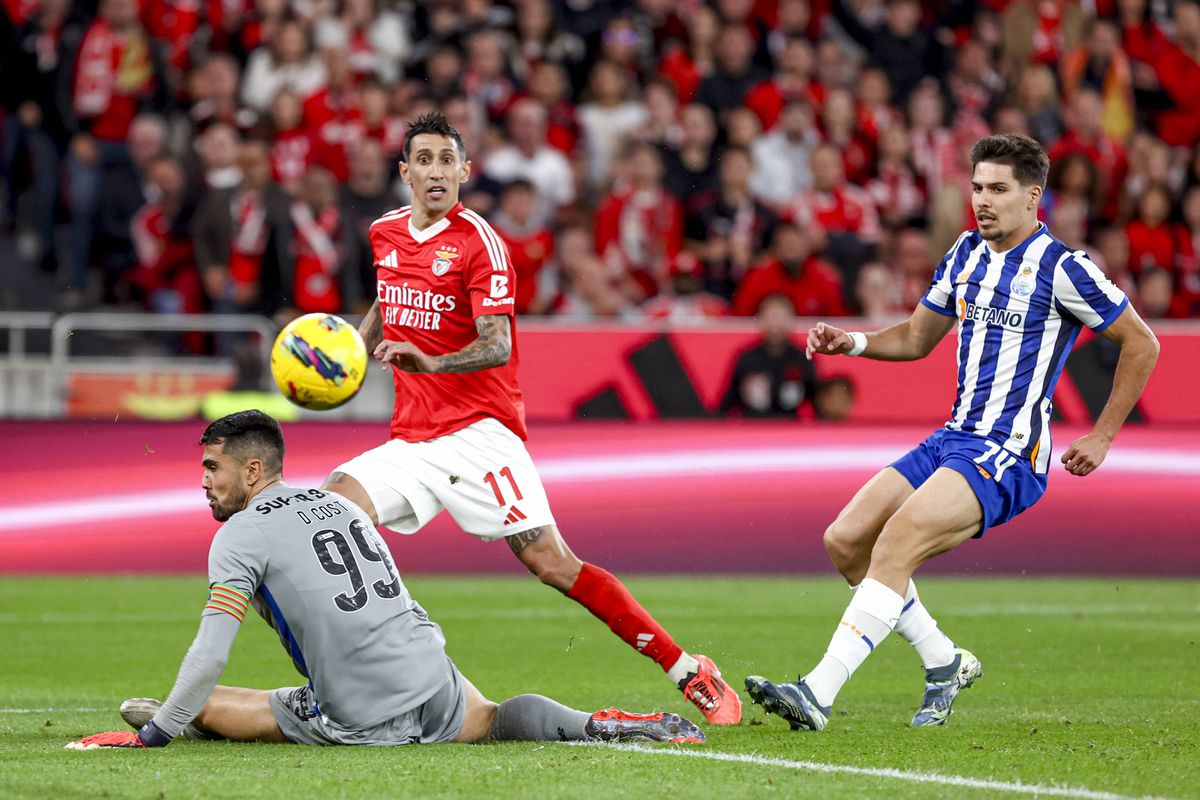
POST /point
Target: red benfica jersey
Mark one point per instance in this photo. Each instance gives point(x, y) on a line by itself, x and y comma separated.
point(431, 285)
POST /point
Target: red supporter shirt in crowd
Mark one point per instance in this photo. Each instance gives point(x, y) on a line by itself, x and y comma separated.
point(1167, 245)
point(316, 284)
point(390, 135)
point(936, 154)
point(1048, 35)
point(815, 292)
point(1178, 74)
point(338, 124)
point(20, 11)
point(292, 153)
point(897, 192)
point(677, 67)
point(114, 72)
point(686, 308)
point(767, 99)
point(638, 233)
point(165, 258)
point(528, 253)
point(562, 128)
point(1109, 157)
point(431, 285)
point(174, 23)
point(858, 157)
point(847, 209)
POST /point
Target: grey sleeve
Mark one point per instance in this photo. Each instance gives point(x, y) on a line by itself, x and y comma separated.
point(199, 673)
point(237, 559)
point(237, 562)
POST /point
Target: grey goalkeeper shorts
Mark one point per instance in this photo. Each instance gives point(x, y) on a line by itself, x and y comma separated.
point(438, 719)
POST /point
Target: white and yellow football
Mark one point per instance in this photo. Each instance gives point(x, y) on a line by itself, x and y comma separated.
point(319, 361)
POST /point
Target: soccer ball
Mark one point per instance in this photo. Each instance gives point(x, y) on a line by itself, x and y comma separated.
point(319, 361)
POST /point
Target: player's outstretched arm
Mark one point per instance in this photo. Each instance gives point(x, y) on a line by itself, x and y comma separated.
point(909, 340)
point(371, 327)
point(1139, 352)
point(491, 348)
point(198, 675)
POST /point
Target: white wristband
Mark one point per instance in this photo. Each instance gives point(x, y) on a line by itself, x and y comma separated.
point(860, 343)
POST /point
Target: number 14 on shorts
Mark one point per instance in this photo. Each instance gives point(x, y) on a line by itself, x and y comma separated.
point(1004, 460)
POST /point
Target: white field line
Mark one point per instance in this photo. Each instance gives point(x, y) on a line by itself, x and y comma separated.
point(88, 618)
point(1138, 610)
point(52, 710)
point(1060, 610)
point(958, 781)
point(1034, 789)
point(671, 464)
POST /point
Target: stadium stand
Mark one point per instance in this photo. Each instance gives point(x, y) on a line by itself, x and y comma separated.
point(176, 156)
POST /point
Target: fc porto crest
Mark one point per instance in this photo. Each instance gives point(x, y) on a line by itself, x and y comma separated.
point(1024, 283)
point(443, 259)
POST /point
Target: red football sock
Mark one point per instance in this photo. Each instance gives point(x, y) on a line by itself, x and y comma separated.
point(601, 593)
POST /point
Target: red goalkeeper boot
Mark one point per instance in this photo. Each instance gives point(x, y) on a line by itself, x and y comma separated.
point(614, 725)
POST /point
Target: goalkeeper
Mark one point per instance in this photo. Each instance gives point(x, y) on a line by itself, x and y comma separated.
point(313, 566)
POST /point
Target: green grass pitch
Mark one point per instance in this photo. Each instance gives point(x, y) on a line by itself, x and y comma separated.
point(1090, 691)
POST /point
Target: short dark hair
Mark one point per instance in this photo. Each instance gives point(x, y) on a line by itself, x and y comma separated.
point(777, 298)
point(520, 185)
point(1026, 156)
point(371, 82)
point(635, 146)
point(249, 434)
point(436, 123)
point(845, 381)
point(733, 149)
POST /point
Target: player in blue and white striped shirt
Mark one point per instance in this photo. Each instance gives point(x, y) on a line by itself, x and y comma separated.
point(1020, 297)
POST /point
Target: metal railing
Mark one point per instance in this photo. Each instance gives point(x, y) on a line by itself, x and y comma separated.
point(67, 326)
point(38, 385)
point(35, 385)
point(26, 385)
point(17, 323)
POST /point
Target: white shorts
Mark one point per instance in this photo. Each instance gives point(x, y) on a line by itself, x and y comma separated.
point(482, 475)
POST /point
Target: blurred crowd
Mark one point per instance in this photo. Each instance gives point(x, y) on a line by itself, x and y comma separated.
point(643, 159)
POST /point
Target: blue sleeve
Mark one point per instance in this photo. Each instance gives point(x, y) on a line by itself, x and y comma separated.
point(1086, 292)
point(939, 296)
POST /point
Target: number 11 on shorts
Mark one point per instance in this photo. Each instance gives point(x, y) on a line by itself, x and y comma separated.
point(490, 480)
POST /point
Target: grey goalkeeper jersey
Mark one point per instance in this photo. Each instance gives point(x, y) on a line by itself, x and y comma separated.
point(318, 572)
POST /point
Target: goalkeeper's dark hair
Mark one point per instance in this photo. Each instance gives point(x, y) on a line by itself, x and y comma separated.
point(249, 434)
point(1028, 159)
point(436, 123)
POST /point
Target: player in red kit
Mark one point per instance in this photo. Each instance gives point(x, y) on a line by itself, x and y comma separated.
point(444, 319)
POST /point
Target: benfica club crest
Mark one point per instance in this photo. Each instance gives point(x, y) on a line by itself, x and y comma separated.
point(443, 259)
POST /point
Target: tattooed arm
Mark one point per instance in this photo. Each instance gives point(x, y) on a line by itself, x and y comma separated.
point(491, 348)
point(371, 327)
point(518, 542)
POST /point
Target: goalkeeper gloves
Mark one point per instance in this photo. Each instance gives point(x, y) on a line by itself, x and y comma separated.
point(149, 736)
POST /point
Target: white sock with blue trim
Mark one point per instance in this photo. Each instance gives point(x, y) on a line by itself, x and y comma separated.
point(921, 630)
point(867, 621)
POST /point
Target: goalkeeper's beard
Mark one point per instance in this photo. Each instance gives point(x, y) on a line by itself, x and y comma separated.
point(222, 512)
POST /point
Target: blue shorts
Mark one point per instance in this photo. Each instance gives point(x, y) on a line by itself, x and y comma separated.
point(1004, 482)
